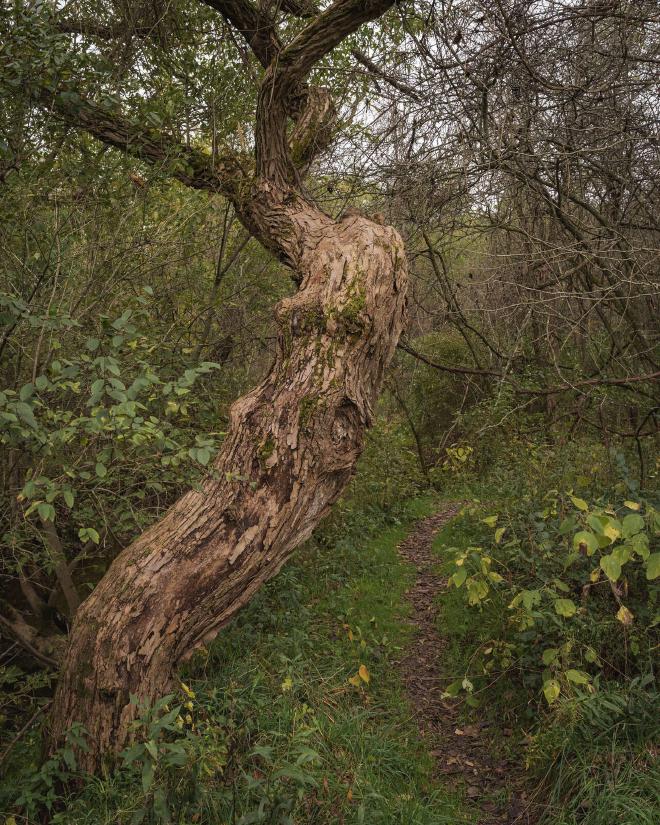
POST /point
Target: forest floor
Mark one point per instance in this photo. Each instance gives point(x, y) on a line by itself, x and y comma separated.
point(326, 702)
point(465, 755)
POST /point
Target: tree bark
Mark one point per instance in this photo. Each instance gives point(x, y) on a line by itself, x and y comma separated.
point(294, 440)
point(291, 449)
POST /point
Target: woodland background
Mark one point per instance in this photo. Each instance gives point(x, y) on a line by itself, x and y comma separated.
point(514, 144)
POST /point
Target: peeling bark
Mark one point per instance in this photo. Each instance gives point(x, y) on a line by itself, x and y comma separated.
point(291, 449)
point(294, 440)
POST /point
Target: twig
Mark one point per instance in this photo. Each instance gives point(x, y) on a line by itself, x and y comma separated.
point(24, 730)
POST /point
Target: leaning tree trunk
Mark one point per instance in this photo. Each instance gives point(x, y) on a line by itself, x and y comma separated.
point(291, 449)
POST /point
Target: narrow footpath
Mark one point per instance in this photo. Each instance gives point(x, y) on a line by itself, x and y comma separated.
point(462, 753)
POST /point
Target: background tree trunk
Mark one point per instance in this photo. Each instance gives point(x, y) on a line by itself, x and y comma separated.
point(292, 447)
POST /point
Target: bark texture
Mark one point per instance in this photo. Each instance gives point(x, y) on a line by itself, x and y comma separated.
point(294, 440)
point(291, 449)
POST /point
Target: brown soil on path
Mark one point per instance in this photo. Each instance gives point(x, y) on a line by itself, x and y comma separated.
point(462, 752)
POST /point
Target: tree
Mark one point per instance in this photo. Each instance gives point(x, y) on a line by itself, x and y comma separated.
point(294, 439)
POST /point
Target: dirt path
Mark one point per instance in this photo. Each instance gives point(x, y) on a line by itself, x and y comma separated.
point(461, 752)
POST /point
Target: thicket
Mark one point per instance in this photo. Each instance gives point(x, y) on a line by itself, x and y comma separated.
point(513, 144)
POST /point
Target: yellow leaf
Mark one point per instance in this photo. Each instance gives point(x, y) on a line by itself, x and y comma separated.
point(350, 635)
point(632, 505)
point(287, 684)
point(595, 575)
point(355, 680)
point(491, 521)
point(624, 616)
point(499, 533)
point(611, 532)
point(580, 503)
point(349, 795)
point(364, 674)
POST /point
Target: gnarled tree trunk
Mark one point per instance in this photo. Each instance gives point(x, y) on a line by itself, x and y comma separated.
point(294, 440)
point(292, 447)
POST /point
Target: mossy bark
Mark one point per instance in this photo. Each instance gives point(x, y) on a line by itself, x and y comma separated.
point(274, 479)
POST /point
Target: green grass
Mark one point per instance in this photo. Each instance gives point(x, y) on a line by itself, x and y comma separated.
point(281, 735)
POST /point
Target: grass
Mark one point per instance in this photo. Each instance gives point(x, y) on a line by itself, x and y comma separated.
point(284, 730)
point(280, 734)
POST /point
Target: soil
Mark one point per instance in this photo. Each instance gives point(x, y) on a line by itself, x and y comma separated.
point(463, 753)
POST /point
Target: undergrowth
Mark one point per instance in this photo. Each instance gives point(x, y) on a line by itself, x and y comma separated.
point(552, 625)
point(295, 713)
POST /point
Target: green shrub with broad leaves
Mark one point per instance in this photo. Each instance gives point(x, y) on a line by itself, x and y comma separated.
point(101, 438)
point(575, 586)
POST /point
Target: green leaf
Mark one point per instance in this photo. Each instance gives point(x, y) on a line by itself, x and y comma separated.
point(68, 497)
point(477, 591)
point(25, 412)
point(611, 566)
point(580, 503)
point(129, 755)
point(89, 534)
point(46, 511)
point(565, 607)
point(632, 524)
point(453, 689)
point(578, 677)
point(459, 577)
point(653, 566)
point(41, 383)
point(491, 521)
point(101, 470)
point(161, 808)
point(26, 392)
point(587, 540)
point(551, 690)
point(640, 544)
point(147, 775)
point(596, 523)
point(550, 655)
point(98, 386)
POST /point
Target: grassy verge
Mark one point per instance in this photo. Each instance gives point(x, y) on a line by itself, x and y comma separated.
point(296, 713)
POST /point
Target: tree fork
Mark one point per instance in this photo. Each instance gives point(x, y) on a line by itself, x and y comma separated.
point(293, 441)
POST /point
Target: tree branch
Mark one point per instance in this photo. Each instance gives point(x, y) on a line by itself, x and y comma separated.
point(191, 167)
point(567, 387)
point(256, 25)
point(283, 85)
point(100, 31)
point(376, 71)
